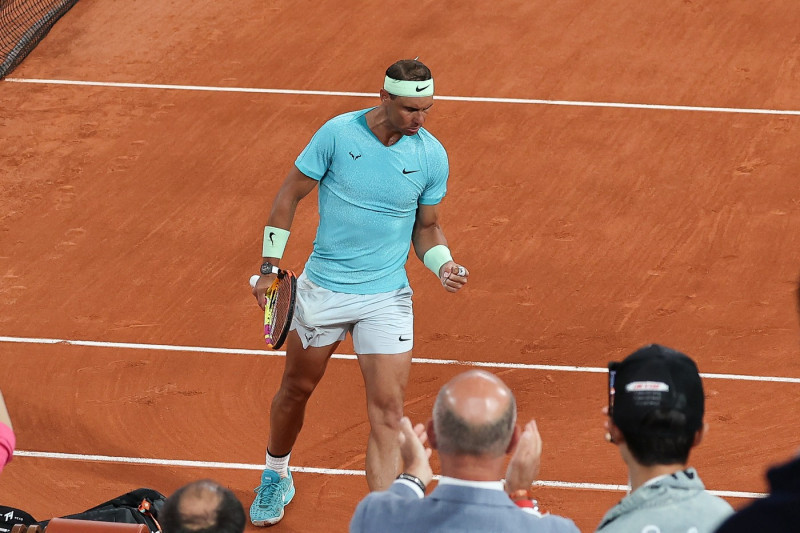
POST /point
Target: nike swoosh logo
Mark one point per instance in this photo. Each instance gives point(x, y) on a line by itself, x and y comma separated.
point(419, 90)
point(409, 171)
point(271, 234)
point(402, 339)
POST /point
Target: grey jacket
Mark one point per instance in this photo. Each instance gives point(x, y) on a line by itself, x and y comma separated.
point(676, 503)
point(450, 509)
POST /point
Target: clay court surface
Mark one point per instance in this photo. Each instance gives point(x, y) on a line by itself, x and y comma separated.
point(131, 218)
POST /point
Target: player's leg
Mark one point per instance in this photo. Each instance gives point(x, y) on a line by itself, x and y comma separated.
point(309, 346)
point(385, 378)
point(383, 339)
point(316, 332)
point(302, 373)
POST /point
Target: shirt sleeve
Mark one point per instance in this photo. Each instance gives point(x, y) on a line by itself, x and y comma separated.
point(316, 157)
point(7, 444)
point(410, 485)
point(438, 171)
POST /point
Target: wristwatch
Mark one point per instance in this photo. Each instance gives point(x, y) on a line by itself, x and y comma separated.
point(268, 268)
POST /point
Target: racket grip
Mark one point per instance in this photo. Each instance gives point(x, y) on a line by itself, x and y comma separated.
point(254, 280)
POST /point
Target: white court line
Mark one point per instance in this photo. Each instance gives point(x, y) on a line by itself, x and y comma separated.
point(325, 471)
point(620, 105)
point(419, 360)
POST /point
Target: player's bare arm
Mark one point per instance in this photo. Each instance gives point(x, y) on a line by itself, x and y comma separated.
point(430, 246)
point(295, 187)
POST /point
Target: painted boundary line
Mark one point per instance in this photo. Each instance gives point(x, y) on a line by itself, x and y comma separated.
point(418, 360)
point(618, 105)
point(324, 471)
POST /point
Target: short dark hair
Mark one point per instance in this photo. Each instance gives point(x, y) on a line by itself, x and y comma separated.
point(663, 438)
point(409, 70)
point(454, 435)
point(227, 516)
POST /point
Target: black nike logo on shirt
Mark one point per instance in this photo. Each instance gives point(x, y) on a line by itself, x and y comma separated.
point(409, 171)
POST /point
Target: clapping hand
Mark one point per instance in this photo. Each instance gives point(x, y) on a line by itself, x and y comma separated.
point(524, 465)
point(416, 456)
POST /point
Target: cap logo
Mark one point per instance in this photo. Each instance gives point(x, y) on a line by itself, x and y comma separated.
point(652, 386)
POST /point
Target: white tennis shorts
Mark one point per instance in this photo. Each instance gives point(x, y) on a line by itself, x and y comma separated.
point(379, 323)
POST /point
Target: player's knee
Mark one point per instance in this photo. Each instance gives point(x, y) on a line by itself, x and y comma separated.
point(386, 413)
point(298, 390)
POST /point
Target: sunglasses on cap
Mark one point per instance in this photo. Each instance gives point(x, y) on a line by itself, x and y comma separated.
point(612, 376)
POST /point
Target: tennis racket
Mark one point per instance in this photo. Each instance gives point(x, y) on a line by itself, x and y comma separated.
point(278, 307)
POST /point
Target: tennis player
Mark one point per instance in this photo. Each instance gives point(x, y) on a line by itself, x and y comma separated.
point(381, 178)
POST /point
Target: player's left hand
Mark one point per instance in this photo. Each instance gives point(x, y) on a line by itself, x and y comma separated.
point(453, 276)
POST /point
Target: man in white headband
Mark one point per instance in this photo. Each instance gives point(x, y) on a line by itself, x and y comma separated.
point(381, 178)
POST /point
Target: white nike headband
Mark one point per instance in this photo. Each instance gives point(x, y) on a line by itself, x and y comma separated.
point(414, 89)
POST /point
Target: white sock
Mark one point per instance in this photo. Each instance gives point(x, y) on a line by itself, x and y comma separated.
point(279, 464)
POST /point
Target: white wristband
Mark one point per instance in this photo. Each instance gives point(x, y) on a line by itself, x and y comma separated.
point(275, 240)
point(435, 257)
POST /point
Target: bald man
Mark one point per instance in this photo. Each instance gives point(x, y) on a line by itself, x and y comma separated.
point(202, 507)
point(473, 429)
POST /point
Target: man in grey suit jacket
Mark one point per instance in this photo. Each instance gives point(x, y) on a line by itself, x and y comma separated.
point(473, 428)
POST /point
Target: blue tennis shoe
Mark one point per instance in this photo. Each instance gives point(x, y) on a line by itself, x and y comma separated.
point(272, 496)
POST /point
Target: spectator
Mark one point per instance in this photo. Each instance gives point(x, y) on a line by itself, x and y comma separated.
point(655, 410)
point(473, 428)
point(202, 507)
point(780, 511)
point(7, 439)
point(777, 513)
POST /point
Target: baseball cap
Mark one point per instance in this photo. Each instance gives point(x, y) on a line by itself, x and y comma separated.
point(650, 379)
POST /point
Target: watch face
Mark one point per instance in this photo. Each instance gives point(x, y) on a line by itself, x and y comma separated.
point(266, 268)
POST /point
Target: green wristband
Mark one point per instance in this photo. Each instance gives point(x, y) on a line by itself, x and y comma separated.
point(275, 240)
point(435, 257)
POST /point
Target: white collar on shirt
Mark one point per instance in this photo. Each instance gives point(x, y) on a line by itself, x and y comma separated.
point(493, 485)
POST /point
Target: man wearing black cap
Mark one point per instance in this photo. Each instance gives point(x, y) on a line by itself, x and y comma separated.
point(655, 408)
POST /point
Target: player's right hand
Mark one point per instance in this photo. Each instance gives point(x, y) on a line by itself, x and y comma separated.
point(259, 290)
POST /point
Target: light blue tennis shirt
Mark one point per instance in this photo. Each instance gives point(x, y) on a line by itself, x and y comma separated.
point(368, 199)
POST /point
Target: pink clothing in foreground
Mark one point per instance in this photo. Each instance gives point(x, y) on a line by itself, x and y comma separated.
point(7, 443)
